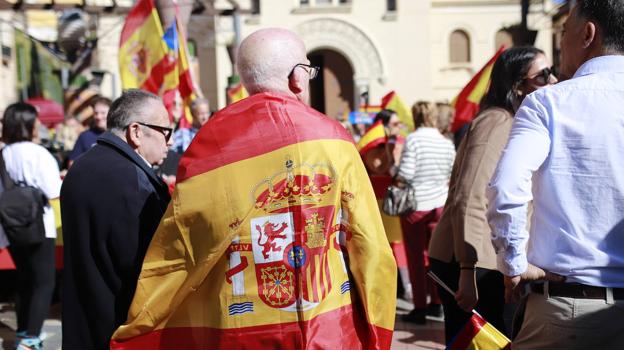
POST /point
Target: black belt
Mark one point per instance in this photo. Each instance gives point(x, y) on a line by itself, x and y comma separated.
point(577, 291)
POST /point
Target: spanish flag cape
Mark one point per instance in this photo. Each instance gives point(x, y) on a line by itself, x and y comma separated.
point(273, 239)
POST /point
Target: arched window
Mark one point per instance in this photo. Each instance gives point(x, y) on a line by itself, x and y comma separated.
point(503, 38)
point(391, 5)
point(255, 7)
point(459, 47)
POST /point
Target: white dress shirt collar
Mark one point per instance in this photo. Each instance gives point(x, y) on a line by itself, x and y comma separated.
point(611, 63)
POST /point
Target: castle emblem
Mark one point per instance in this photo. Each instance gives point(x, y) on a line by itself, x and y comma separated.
point(315, 230)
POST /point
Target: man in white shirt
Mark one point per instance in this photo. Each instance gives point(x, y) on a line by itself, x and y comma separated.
point(565, 153)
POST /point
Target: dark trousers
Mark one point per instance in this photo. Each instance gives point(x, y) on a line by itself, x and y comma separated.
point(491, 302)
point(35, 266)
point(417, 229)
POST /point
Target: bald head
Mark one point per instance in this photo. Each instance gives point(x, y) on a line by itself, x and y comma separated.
point(267, 57)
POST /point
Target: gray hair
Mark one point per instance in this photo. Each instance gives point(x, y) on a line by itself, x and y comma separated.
point(198, 102)
point(127, 108)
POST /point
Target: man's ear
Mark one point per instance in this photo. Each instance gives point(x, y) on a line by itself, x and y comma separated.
point(589, 34)
point(133, 135)
point(295, 83)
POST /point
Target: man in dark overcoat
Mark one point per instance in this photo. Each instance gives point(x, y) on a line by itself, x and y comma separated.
point(111, 204)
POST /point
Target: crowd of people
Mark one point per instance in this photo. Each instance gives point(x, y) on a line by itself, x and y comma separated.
point(264, 219)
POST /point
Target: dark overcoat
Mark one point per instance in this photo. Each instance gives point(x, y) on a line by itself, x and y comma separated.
point(111, 204)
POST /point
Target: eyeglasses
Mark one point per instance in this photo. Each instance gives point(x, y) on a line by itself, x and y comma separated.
point(312, 70)
point(162, 129)
point(542, 77)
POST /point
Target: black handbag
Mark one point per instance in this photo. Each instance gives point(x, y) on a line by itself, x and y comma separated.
point(399, 200)
point(21, 210)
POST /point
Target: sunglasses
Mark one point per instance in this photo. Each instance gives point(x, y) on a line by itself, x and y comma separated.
point(312, 70)
point(542, 77)
point(162, 129)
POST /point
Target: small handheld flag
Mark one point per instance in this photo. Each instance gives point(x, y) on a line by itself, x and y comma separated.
point(375, 136)
point(393, 101)
point(477, 334)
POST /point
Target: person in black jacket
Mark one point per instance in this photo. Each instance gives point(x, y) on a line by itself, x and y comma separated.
point(111, 204)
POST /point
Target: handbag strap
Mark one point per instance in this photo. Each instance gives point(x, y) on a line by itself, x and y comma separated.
point(397, 179)
point(7, 182)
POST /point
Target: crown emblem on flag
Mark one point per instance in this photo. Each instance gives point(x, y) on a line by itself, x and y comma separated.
point(296, 185)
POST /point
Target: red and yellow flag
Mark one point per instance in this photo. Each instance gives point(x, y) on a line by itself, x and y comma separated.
point(392, 224)
point(142, 51)
point(376, 135)
point(393, 101)
point(236, 93)
point(178, 78)
point(273, 239)
point(478, 334)
point(466, 104)
point(154, 60)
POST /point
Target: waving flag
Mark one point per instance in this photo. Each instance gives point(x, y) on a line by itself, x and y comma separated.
point(154, 60)
point(236, 93)
point(178, 78)
point(466, 104)
point(375, 136)
point(393, 101)
point(275, 243)
point(478, 334)
point(142, 50)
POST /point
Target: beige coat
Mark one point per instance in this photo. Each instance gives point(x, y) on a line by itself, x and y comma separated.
point(463, 231)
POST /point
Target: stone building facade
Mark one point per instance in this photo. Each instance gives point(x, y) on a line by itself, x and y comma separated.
point(422, 49)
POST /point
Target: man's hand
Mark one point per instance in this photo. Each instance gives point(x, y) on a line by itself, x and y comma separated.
point(514, 284)
point(467, 294)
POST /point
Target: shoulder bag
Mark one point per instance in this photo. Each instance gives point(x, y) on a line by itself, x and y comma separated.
point(399, 199)
point(21, 210)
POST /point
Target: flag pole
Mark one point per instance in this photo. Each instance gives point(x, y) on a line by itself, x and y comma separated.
point(439, 281)
point(443, 285)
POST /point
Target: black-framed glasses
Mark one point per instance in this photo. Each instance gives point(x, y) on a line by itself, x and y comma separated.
point(312, 70)
point(166, 131)
point(542, 77)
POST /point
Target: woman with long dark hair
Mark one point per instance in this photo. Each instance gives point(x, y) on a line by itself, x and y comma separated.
point(461, 252)
point(29, 163)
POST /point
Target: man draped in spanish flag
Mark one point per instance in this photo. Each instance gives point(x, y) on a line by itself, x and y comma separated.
point(273, 239)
